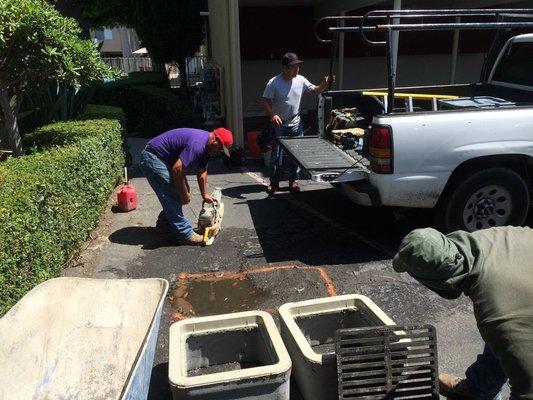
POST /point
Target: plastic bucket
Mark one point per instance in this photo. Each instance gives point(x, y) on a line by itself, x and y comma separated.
point(253, 148)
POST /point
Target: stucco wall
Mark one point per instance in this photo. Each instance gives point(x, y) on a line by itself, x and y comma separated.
point(368, 72)
point(225, 51)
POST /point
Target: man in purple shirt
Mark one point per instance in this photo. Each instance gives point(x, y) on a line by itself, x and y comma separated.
point(164, 162)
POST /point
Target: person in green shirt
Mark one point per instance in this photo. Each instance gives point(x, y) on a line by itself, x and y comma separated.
point(494, 268)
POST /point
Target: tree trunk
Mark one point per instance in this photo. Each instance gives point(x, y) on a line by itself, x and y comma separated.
point(183, 79)
point(10, 123)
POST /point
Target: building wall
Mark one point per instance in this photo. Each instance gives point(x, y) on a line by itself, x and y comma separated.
point(360, 73)
point(424, 59)
point(122, 43)
point(225, 51)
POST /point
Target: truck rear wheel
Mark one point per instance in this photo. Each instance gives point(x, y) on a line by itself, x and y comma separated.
point(487, 198)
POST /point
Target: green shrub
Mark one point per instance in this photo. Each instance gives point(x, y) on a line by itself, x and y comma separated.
point(148, 78)
point(150, 111)
point(52, 199)
point(95, 111)
point(63, 134)
point(113, 93)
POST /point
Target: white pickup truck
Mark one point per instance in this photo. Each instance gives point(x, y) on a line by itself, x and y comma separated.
point(464, 150)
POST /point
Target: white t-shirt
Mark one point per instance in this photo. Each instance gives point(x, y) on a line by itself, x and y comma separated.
point(285, 96)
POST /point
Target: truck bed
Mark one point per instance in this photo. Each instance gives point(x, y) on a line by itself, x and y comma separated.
point(326, 160)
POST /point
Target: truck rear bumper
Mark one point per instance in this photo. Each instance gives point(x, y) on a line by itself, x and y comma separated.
point(361, 193)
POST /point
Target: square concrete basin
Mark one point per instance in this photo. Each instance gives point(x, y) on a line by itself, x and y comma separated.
point(308, 330)
point(229, 356)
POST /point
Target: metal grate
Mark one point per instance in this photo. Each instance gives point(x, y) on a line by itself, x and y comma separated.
point(387, 362)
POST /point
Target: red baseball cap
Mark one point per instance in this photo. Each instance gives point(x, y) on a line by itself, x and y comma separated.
point(226, 138)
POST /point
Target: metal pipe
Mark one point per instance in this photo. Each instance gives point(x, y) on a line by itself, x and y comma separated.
point(447, 12)
point(332, 59)
point(453, 26)
point(399, 13)
point(455, 48)
point(391, 69)
point(435, 26)
point(396, 35)
point(341, 54)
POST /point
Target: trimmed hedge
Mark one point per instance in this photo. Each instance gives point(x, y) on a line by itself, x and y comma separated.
point(148, 78)
point(95, 111)
point(151, 111)
point(150, 106)
point(52, 199)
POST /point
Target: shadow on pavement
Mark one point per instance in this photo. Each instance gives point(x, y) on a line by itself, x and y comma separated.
point(148, 237)
point(288, 232)
point(238, 192)
point(159, 386)
point(321, 227)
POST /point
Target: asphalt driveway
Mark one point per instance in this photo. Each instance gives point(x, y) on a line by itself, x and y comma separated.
point(274, 250)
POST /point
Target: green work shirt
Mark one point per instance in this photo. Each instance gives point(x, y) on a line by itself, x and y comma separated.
point(502, 296)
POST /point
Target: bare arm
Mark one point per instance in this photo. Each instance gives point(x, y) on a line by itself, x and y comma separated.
point(202, 184)
point(276, 120)
point(323, 86)
point(180, 180)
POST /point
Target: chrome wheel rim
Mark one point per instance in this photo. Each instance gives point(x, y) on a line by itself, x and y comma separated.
point(487, 207)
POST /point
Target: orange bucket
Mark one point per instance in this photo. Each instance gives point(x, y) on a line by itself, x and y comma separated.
point(253, 148)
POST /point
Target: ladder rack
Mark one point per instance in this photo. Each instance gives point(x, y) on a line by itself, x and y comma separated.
point(389, 21)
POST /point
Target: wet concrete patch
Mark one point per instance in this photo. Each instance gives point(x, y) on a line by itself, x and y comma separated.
point(217, 296)
point(262, 288)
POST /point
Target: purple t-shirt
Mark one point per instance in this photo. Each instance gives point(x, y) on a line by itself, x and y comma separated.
point(187, 144)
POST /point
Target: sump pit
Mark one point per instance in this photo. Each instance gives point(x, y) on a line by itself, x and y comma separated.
point(242, 348)
point(319, 329)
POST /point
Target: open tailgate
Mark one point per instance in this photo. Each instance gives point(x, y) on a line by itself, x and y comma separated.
point(324, 161)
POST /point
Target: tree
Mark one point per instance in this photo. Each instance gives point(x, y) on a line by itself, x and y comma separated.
point(106, 13)
point(170, 30)
point(71, 9)
point(37, 45)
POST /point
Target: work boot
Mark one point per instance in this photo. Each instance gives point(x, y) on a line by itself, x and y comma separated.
point(455, 388)
point(272, 187)
point(294, 187)
point(193, 240)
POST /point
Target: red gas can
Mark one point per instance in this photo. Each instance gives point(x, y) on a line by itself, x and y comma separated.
point(127, 197)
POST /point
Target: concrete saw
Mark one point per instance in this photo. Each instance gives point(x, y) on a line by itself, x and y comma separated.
point(210, 218)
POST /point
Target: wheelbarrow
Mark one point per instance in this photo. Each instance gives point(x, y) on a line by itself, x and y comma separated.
point(75, 338)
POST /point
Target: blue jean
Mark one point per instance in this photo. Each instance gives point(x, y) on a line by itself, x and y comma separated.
point(276, 158)
point(159, 177)
point(485, 377)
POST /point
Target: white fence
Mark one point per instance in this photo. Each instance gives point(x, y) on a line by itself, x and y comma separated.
point(129, 64)
point(195, 66)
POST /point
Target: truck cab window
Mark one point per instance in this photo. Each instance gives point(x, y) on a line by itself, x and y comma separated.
point(517, 66)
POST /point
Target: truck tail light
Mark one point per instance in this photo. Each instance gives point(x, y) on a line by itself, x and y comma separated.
point(381, 149)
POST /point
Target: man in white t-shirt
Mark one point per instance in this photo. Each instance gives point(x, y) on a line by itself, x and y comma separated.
point(281, 100)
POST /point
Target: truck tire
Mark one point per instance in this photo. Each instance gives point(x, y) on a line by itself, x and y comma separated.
point(487, 198)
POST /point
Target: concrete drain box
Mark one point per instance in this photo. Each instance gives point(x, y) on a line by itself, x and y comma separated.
point(308, 330)
point(229, 356)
